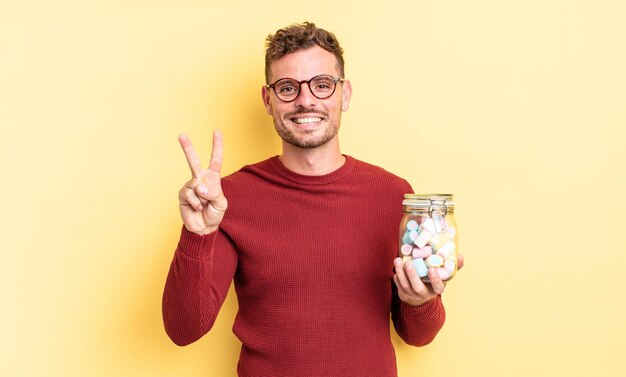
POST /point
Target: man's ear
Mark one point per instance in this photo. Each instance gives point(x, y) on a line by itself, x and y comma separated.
point(346, 94)
point(265, 94)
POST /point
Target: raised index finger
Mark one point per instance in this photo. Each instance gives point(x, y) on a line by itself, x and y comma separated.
point(190, 154)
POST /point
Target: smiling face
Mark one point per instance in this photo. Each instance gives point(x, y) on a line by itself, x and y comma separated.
point(307, 122)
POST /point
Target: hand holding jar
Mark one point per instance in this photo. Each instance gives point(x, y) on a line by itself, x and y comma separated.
point(428, 247)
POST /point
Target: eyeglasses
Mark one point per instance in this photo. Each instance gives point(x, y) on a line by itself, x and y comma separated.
point(321, 86)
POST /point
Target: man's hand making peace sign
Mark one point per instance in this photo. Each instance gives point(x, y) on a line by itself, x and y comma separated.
point(202, 202)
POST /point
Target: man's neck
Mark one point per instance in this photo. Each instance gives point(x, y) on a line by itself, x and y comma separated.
point(315, 161)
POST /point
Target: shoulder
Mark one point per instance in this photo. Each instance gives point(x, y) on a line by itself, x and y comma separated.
point(378, 175)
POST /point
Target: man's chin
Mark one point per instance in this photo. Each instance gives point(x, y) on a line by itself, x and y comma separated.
point(307, 142)
point(306, 137)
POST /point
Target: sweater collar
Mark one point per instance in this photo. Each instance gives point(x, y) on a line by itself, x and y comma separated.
point(334, 176)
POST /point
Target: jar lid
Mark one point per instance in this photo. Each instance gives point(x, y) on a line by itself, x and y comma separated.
point(427, 200)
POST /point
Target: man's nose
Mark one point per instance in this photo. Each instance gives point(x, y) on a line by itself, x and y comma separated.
point(305, 97)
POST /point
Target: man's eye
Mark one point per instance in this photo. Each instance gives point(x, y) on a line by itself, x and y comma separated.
point(323, 85)
point(287, 89)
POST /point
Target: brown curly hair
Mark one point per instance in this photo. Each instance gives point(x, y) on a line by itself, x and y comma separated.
point(298, 37)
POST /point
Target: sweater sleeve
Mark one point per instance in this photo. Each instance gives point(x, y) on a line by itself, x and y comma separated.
point(197, 284)
point(417, 325)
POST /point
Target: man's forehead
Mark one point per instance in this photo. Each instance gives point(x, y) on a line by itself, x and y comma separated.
point(304, 64)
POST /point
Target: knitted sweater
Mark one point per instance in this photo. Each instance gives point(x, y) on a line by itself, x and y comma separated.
point(312, 262)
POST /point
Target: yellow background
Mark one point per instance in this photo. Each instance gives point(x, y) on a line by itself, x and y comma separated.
point(515, 107)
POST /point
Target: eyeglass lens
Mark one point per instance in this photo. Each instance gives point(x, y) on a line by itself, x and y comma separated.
point(322, 86)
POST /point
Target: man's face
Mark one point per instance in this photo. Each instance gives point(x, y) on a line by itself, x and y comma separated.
point(307, 122)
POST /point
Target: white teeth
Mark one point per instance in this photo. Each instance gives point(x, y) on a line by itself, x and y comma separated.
point(306, 120)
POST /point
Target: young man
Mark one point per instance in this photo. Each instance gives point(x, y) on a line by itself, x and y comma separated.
point(309, 237)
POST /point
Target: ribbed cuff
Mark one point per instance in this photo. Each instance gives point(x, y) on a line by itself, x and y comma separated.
point(424, 309)
point(196, 246)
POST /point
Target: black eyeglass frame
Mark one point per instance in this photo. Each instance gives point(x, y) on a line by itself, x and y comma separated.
point(308, 82)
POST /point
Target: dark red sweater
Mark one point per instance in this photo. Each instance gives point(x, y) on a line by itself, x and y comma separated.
point(312, 262)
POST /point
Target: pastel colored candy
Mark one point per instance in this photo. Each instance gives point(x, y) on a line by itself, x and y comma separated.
point(437, 241)
point(423, 236)
point(434, 260)
point(428, 224)
point(420, 267)
point(409, 236)
point(449, 265)
point(443, 273)
point(446, 250)
point(406, 249)
point(439, 224)
point(424, 252)
point(430, 242)
point(412, 225)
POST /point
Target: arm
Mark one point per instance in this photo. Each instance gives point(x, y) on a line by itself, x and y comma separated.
point(417, 325)
point(199, 275)
point(417, 310)
point(197, 284)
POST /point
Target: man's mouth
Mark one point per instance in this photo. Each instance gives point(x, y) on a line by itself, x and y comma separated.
point(307, 120)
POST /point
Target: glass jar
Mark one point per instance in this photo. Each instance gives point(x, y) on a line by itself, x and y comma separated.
point(428, 236)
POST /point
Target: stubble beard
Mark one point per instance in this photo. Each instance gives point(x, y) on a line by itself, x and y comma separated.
point(305, 138)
